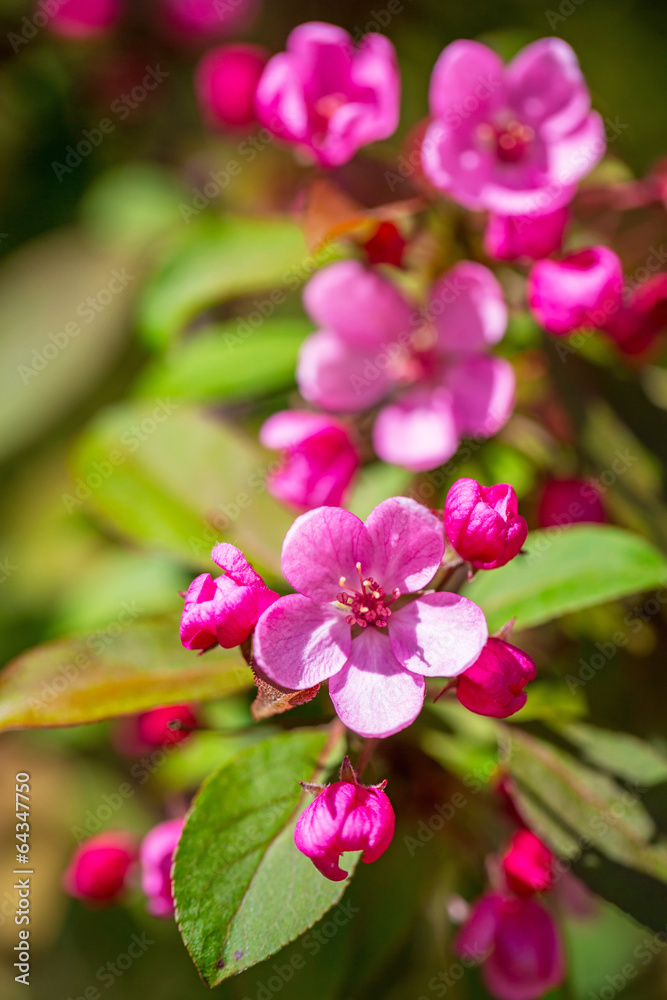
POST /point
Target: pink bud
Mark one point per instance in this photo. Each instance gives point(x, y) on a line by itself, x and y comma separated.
point(137, 734)
point(224, 610)
point(569, 501)
point(345, 816)
point(582, 290)
point(528, 864)
point(156, 855)
point(494, 684)
point(200, 20)
point(98, 872)
point(320, 459)
point(482, 523)
point(510, 237)
point(226, 80)
point(635, 326)
point(84, 18)
point(386, 245)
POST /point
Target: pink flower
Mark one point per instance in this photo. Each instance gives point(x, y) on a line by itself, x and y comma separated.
point(518, 943)
point(200, 20)
point(494, 684)
point(342, 624)
point(483, 523)
point(345, 816)
point(98, 872)
point(320, 460)
point(84, 18)
point(569, 501)
point(511, 237)
point(224, 610)
point(156, 855)
point(134, 735)
point(513, 139)
point(528, 864)
point(226, 80)
point(329, 97)
point(634, 328)
point(431, 370)
point(582, 289)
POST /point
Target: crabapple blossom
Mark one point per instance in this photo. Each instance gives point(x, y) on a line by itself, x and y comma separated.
point(483, 524)
point(569, 501)
point(511, 237)
point(156, 855)
point(360, 617)
point(226, 81)
point(528, 864)
point(327, 96)
point(514, 139)
point(494, 684)
point(85, 18)
point(99, 870)
point(582, 289)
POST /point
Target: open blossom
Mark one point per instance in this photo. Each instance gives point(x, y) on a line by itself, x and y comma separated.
point(320, 458)
point(224, 610)
point(569, 501)
point(582, 289)
point(226, 81)
point(347, 624)
point(99, 870)
point(528, 864)
point(483, 523)
point(518, 943)
point(431, 371)
point(512, 237)
point(635, 326)
point(156, 856)
point(329, 97)
point(200, 20)
point(514, 139)
point(345, 816)
point(84, 18)
point(494, 684)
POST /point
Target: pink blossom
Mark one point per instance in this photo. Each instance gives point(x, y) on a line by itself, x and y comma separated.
point(494, 684)
point(512, 237)
point(224, 610)
point(156, 855)
point(430, 370)
point(345, 816)
point(569, 501)
point(226, 80)
point(320, 458)
point(514, 139)
point(343, 623)
point(136, 734)
point(329, 97)
point(483, 523)
point(582, 289)
point(84, 18)
point(99, 870)
point(201, 20)
point(528, 864)
point(518, 943)
point(635, 326)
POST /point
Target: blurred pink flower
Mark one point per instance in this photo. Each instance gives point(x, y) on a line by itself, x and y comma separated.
point(84, 18)
point(329, 97)
point(512, 237)
point(483, 524)
point(432, 369)
point(320, 458)
point(224, 610)
point(582, 289)
point(341, 624)
point(156, 856)
point(202, 20)
point(98, 872)
point(226, 81)
point(569, 501)
point(494, 684)
point(137, 734)
point(514, 139)
point(528, 864)
point(635, 326)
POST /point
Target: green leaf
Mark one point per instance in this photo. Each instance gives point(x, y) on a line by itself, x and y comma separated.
point(229, 362)
point(221, 259)
point(567, 569)
point(551, 702)
point(128, 666)
point(242, 889)
point(621, 753)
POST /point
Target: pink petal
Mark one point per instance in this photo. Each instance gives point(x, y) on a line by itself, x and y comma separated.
point(321, 547)
point(438, 635)
point(402, 545)
point(237, 610)
point(483, 388)
point(546, 87)
point(373, 695)
point(299, 643)
point(332, 374)
point(574, 155)
point(476, 937)
point(454, 163)
point(290, 427)
point(235, 565)
point(527, 960)
point(469, 308)
point(467, 83)
point(418, 431)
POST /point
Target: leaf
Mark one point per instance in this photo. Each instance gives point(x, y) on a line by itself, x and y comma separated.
point(551, 702)
point(229, 361)
point(129, 666)
point(242, 889)
point(621, 753)
point(567, 569)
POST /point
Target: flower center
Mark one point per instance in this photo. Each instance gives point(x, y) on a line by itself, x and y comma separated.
point(509, 140)
point(368, 605)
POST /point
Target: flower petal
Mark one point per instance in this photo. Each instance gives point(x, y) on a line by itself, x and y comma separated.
point(402, 545)
point(471, 312)
point(299, 643)
point(546, 87)
point(373, 695)
point(483, 388)
point(438, 635)
point(467, 83)
point(235, 565)
point(336, 376)
point(319, 548)
point(418, 431)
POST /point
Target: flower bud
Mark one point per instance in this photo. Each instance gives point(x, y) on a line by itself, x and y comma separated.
point(98, 872)
point(637, 324)
point(582, 290)
point(158, 727)
point(345, 816)
point(510, 237)
point(84, 18)
point(482, 523)
point(226, 80)
point(386, 245)
point(200, 20)
point(156, 855)
point(569, 501)
point(494, 684)
point(528, 864)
